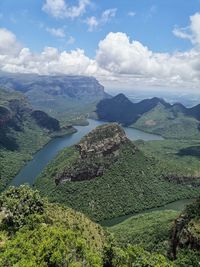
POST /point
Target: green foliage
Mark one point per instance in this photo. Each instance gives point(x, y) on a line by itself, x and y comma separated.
point(150, 230)
point(187, 258)
point(17, 205)
point(167, 152)
point(134, 256)
point(132, 184)
point(45, 234)
point(48, 246)
point(50, 235)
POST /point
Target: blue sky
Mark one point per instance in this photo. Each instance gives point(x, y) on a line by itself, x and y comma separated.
point(150, 22)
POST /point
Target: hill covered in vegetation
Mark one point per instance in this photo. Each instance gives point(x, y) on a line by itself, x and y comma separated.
point(152, 115)
point(166, 232)
point(34, 232)
point(119, 180)
point(22, 132)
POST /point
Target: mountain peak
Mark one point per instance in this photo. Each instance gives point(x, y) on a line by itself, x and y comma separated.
point(102, 141)
point(97, 152)
point(121, 98)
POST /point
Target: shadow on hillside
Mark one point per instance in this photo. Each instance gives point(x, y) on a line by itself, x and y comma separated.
point(190, 151)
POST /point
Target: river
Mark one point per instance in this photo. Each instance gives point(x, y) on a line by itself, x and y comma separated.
point(33, 168)
point(178, 205)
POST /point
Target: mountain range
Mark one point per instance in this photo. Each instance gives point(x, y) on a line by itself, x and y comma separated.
point(152, 115)
point(64, 97)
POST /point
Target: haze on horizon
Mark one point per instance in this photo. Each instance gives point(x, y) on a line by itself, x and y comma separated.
point(128, 45)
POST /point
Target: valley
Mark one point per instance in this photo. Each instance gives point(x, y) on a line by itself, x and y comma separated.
point(132, 178)
point(99, 133)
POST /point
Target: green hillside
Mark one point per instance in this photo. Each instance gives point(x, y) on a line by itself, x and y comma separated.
point(149, 230)
point(41, 234)
point(170, 123)
point(22, 132)
point(134, 182)
point(167, 232)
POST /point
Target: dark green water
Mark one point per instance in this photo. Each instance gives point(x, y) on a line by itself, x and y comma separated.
point(33, 168)
point(178, 205)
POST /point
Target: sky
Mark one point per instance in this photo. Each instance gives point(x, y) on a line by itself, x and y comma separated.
point(125, 44)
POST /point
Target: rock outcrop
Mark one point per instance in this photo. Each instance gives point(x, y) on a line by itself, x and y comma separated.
point(97, 152)
point(185, 232)
point(102, 141)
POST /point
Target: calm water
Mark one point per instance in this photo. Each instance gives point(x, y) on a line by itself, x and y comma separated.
point(34, 167)
point(178, 205)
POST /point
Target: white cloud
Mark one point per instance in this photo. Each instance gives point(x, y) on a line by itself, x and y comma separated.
point(108, 14)
point(60, 8)
point(119, 62)
point(57, 32)
point(191, 32)
point(131, 14)
point(8, 44)
point(94, 22)
point(131, 61)
point(70, 40)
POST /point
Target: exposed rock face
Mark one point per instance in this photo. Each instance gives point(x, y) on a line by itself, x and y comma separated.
point(16, 114)
point(80, 87)
point(102, 141)
point(185, 233)
point(97, 152)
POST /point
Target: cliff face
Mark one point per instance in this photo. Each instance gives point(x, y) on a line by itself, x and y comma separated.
point(102, 141)
point(186, 230)
point(17, 116)
point(96, 152)
point(35, 87)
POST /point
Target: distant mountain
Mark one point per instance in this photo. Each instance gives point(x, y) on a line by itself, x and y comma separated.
point(57, 95)
point(121, 109)
point(194, 112)
point(152, 115)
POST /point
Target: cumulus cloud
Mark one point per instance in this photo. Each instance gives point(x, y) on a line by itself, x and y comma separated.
point(191, 32)
point(61, 9)
point(131, 60)
point(119, 62)
point(57, 32)
point(94, 22)
point(8, 44)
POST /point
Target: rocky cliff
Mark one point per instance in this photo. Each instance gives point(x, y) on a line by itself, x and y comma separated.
point(17, 117)
point(186, 230)
point(96, 152)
